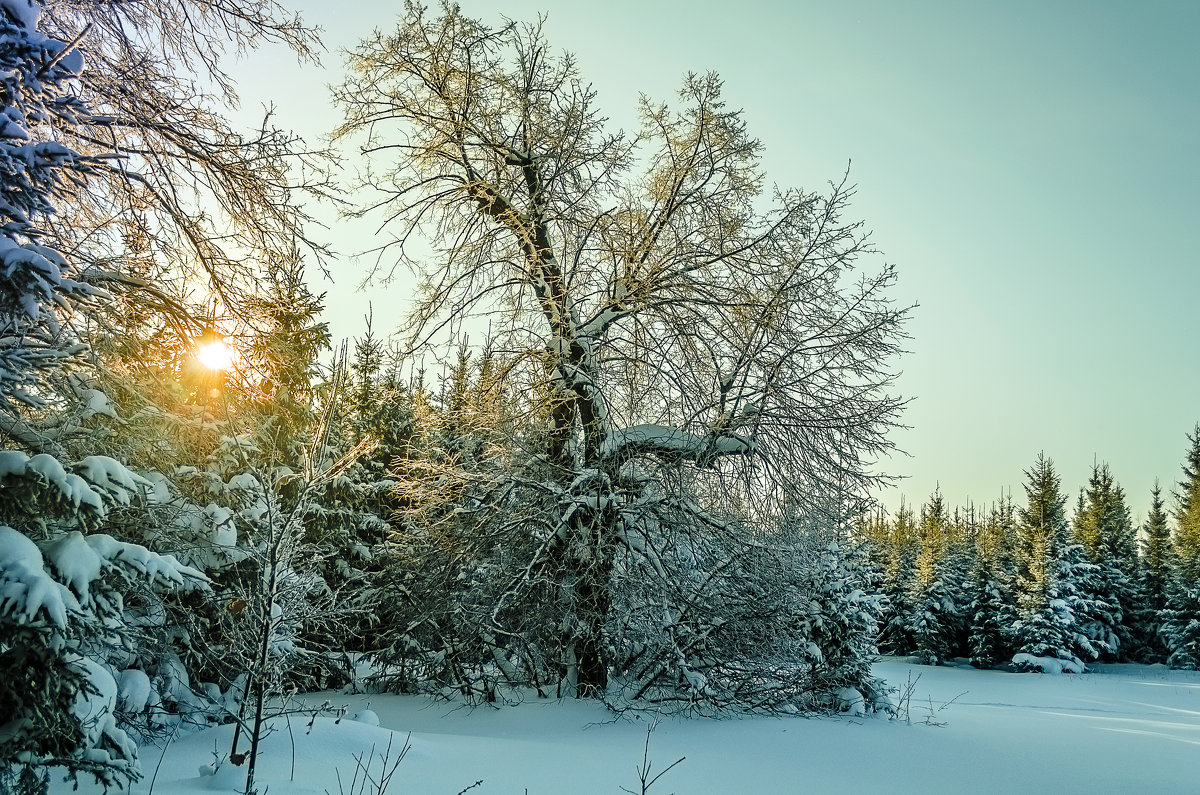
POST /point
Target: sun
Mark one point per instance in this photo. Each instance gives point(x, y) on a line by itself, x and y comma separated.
point(216, 355)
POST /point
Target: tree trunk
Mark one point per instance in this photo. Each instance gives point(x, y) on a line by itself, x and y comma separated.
point(591, 656)
point(589, 568)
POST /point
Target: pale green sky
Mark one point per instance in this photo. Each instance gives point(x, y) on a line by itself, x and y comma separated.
point(1032, 168)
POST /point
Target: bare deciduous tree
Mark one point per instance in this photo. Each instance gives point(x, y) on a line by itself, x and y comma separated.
point(706, 344)
point(190, 202)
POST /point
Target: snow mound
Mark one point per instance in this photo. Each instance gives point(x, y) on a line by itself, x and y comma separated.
point(1047, 665)
point(851, 702)
point(367, 717)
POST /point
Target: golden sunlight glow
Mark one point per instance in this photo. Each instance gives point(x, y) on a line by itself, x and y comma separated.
point(216, 355)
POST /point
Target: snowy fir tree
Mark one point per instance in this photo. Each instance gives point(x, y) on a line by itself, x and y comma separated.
point(71, 615)
point(1186, 538)
point(900, 547)
point(1103, 526)
point(992, 576)
point(1157, 557)
point(70, 597)
point(39, 286)
point(1180, 627)
point(937, 600)
point(842, 623)
point(1050, 604)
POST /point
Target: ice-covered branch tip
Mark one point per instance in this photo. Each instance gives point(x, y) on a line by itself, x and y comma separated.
point(674, 444)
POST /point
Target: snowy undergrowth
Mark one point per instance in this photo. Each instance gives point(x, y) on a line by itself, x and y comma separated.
point(1005, 732)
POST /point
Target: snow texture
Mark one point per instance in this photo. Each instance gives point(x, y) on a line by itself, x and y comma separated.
point(1002, 733)
point(77, 563)
point(134, 690)
point(156, 567)
point(23, 12)
point(1047, 665)
point(98, 403)
point(97, 713)
point(25, 588)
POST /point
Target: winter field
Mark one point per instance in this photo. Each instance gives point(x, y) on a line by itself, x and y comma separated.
point(1121, 728)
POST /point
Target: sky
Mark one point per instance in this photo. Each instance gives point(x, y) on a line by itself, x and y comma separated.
point(1031, 168)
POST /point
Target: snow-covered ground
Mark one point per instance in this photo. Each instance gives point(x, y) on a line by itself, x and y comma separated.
point(1123, 728)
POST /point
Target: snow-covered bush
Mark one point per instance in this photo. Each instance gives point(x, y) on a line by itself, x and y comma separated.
point(744, 623)
point(66, 622)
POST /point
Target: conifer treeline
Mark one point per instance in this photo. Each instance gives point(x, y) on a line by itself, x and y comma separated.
point(1031, 584)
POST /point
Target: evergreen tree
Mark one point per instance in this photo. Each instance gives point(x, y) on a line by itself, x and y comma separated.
point(1180, 630)
point(1049, 571)
point(937, 600)
point(1187, 512)
point(39, 287)
point(1157, 554)
point(1155, 572)
point(1040, 530)
point(70, 596)
point(991, 583)
point(69, 614)
point(1103, 527)
point(842, 624)
point(902, 548)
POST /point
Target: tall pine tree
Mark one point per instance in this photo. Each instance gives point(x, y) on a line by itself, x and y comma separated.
point(991, 586)
point(898, 576)
point(1049, 604)
point(1103, 527)
point(1157, 554)
point(1187, 512)
point(1181, 619)
point(936, 598)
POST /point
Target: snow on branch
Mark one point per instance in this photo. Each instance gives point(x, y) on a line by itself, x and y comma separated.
point(25, 587)
point(674, 444)
point(97, 481)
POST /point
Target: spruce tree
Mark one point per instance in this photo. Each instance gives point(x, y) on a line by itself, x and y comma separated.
point(1049, 603)
point(1180, 630)
point(991, 610)
point(1187, 512)
point(898, 576)
point(39, 287)
point(936, 599)
point(1157, 554)
point(1103, 527)
point(67, 591)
